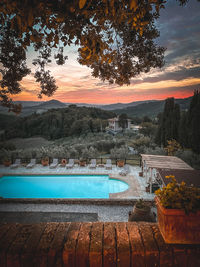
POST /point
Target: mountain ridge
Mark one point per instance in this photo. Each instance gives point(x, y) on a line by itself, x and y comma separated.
point(135, 108)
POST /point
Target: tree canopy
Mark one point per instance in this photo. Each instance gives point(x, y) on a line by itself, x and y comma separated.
point(115, 38)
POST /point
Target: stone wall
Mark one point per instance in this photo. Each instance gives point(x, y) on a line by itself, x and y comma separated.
point(91, 244)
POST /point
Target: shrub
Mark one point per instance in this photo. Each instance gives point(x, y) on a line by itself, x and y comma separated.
point(155, 151)
point(141, 141)
point(190, 157)
point(7, 146)
point(119, 153)
point(179, 196)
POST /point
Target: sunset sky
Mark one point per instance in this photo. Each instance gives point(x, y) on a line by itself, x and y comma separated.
point(179, 33)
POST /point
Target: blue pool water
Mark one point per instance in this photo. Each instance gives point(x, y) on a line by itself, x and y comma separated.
point(60, 186)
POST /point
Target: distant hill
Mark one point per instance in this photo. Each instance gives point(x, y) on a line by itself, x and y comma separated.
point(124, 105)
point(151, 109)
point(29, 103)
point(30, 107)
point(51, 104)
point(134, 109)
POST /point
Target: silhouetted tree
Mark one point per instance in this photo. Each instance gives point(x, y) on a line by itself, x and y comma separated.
point(169, 124)
point(183, 130)
point(123, 120)
point(194, 122)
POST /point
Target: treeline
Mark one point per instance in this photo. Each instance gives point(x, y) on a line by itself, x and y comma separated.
point(57, 123)
point(184, 127)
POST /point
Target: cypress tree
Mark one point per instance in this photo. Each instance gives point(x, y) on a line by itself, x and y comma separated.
point(168, 128)
point(123, 120)
point(194, 122)
point(183, 130)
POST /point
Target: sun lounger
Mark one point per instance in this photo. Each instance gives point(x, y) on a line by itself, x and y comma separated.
point(31, 164)
point(54, 164)
point(125, 171)
point(108, 164)
point(16, 164)
point(70, 164)
point(93, 164)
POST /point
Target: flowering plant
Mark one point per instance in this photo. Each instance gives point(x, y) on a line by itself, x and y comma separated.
point(179, 196)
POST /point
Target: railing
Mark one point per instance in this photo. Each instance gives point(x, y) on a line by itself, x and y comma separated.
point(91, 244)
point(135, 161)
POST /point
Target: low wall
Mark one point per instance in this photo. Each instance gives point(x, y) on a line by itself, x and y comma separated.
point(91, 244)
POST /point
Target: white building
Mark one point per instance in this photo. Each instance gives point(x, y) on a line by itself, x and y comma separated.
point(114, 124)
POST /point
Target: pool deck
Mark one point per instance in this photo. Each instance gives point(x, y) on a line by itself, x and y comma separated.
point(116, 208)
point(136, 183)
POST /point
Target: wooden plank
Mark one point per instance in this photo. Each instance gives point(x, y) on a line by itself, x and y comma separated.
point(83, 243)
point(123, 245)
point(165, 250)
point(137, 248)
point(180, 255)
point(4, 227)
point(28, 251)
point(193, 256)
point(151, 249)
point(56, 248)
point(13, 253)
point(96, 245)
point(44, 244)
point(109, 245)
point(6, 241)
point(70, 245)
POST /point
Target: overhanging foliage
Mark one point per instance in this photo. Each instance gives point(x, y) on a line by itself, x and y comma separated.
point(114, 38)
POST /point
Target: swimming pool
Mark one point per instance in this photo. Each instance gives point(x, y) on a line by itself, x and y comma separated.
point(60, 186)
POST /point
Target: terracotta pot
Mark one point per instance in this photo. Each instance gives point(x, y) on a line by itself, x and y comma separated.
point(177, 227)
point(120, 163)
point(45, 162)
point(82, 163)
point(7, 163)
point(63, 162)
point(139, 214)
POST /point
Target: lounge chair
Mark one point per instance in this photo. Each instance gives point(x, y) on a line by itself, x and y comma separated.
point(108, 164)
point(70, 164)
point(125, 170)
point(54, 164)
point(93, 164)
point(31, 164)
point(16, 164)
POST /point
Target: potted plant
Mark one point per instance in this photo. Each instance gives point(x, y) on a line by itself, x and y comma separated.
point(178, 211)
point(82, 162)
point(44, 156)
point(120, 163)
point(63, 162)
point(141, 212)
point(45, 161)
point(6, 158)
point(7, 161)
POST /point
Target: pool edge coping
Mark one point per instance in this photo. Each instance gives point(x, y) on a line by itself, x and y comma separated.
point(112, 196)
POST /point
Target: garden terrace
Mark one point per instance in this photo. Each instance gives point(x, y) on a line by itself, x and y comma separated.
point(91, 244)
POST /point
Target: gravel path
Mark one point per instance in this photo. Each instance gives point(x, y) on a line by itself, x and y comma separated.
point(106, 213)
